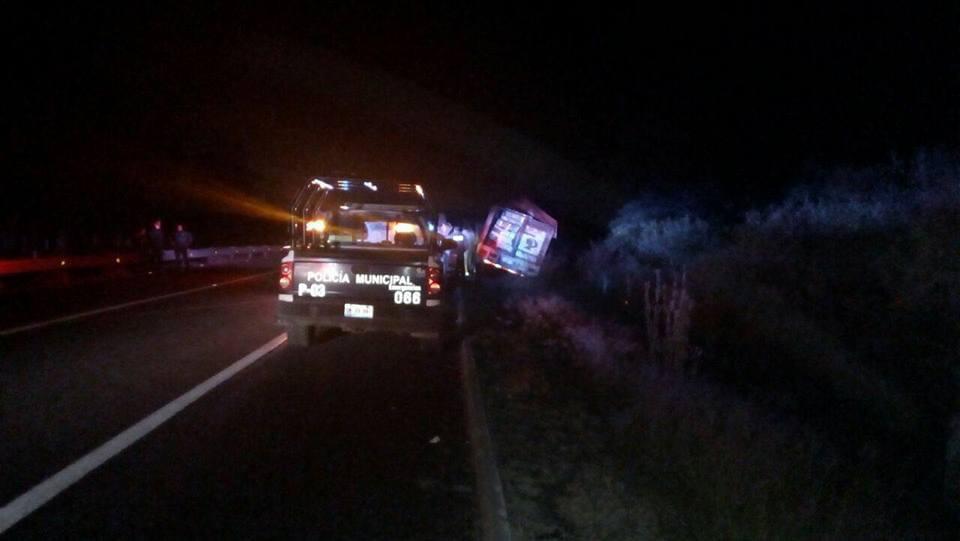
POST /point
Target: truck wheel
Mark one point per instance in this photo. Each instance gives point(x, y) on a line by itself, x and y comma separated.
point(298, 335)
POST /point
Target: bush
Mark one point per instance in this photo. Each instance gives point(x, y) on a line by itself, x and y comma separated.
point(713, 467)
point(839, 307)
point(852, 200)
point(642, 240)
point(825, 330)
point(708, 464)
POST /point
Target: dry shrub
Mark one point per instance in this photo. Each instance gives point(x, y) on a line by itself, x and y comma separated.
point(667, 307)
point(568, 337)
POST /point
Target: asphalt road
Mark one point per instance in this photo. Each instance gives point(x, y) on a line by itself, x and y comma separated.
point(360, 437)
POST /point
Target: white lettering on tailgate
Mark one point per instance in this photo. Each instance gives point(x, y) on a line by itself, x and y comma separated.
point(328, 277)
point(384, 279)
point(313, 290)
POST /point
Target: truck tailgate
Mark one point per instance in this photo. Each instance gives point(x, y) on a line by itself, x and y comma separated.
point(349, 280)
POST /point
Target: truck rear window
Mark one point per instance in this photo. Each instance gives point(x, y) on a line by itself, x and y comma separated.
point(364, 227)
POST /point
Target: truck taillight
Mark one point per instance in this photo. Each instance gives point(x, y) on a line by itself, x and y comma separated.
point(433, 281)
point(286, 275)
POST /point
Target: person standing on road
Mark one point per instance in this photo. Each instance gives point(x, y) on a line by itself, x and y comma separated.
point(155, 235)
point(182, 240)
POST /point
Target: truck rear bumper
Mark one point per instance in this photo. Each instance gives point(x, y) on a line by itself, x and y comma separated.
point(425, 322)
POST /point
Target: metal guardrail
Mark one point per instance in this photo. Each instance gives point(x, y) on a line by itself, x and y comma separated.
point(229, 255)
point(213, 256)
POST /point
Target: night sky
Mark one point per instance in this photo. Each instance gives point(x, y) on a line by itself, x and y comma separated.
point(117, 111)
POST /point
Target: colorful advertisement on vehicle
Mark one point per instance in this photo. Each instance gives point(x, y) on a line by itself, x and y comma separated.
point(516, 237)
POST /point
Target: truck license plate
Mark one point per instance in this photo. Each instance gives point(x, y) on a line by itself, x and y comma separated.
point(358, 310)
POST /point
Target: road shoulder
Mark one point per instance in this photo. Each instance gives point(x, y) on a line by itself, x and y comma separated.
point(560, 475)
point(494, 523)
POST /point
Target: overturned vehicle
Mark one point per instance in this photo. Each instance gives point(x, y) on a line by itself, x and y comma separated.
point(515, 238)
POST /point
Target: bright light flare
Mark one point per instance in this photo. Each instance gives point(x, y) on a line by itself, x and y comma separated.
point(317, 226)
point(419, 189)
point(370, 185)
point(231, 200)
point(404, 227)
point(323, 185)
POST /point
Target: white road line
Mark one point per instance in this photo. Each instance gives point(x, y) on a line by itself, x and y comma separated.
point(41, 324)
point(31, 500)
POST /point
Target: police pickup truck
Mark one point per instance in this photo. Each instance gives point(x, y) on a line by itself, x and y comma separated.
point(364, 257)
